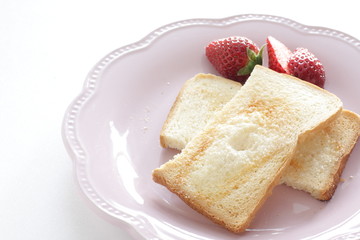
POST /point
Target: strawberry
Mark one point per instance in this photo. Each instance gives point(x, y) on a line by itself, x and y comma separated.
point(278, 55)
point(304, 65)
point(234, 57)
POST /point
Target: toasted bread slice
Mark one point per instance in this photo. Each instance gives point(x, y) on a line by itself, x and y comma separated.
point(197, 101)
point(229, 169)
point(318, 162)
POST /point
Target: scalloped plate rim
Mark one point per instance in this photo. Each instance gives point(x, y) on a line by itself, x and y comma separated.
point(77, 152)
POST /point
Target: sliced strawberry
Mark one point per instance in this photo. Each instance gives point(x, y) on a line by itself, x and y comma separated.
point(278, 55)
point(304, 65)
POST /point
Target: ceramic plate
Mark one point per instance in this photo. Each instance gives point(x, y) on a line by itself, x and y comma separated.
point(111, 131)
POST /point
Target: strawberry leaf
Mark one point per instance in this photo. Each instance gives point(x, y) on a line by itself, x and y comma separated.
point(254, 59)
point(247, 69)
point(251, 54)
point(260, 54)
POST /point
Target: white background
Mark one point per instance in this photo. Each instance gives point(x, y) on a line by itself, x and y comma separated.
point(46, 50)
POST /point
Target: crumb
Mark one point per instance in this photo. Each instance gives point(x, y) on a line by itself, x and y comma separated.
point(342, 180)
point(145, 129)
point(351, 177)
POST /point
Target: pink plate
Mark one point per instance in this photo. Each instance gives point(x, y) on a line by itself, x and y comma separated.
point(111, 131)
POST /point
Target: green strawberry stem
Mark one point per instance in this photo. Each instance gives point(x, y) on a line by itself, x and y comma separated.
point(254, 59)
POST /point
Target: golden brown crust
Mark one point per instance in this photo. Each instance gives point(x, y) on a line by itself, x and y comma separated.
point(159, 178)
point(189, 174)
point(329, 191)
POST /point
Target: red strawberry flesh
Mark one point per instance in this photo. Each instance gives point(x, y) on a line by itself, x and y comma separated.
point(278, 55)
point(304, 65)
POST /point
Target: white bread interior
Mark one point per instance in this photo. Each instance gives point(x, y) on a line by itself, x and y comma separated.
point(197, 101)
point(317, 163)
point(229, 168)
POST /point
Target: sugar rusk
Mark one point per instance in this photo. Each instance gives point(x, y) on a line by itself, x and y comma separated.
point(318, 162)
point(198, 100)
point(228, 170)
